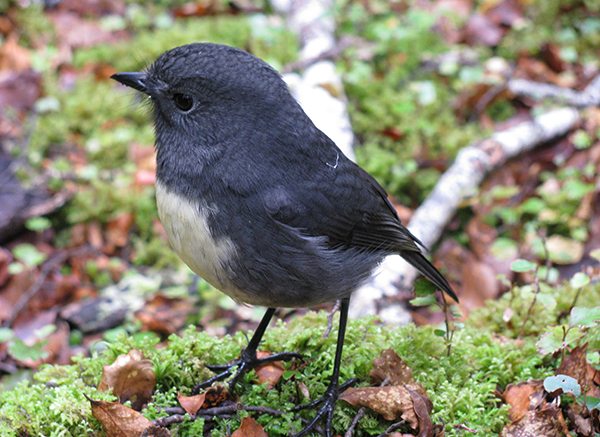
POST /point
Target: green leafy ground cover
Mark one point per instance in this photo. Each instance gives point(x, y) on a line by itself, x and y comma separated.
point(464, 386)
point(402, 101)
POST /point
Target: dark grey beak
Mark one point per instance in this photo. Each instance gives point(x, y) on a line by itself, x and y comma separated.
point(137, 81)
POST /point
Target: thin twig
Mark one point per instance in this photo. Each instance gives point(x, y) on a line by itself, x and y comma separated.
point(590, 96)
point(362, 411)
point(393, 427)
point(335, 308)
point(333, 53)
point(536, 284)
point(358, 416)
point(465, 428)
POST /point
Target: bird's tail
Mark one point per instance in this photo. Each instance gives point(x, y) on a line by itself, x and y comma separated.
point(419, 262)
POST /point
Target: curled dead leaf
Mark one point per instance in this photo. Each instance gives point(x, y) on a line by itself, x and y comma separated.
point(249, 428)
point(423, 408)
point(191, 404)
point(389, 365)
point(269, 372)
point(131, 378)
point(210, 398)
point(119, 420)
point(519, 397)
point(547, 421)
point(390, 402)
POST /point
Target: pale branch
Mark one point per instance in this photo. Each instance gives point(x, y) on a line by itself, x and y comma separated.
point(457, 184)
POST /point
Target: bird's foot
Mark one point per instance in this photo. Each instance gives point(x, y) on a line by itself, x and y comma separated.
point(246, 362)
point(325, 411)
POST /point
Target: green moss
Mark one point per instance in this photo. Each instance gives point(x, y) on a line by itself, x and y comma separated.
point(274, 43)
point(462, 386)
point(401, 104)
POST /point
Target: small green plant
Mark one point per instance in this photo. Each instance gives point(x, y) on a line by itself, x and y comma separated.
point(425, 292)
point(570, 386)
point(560, 338)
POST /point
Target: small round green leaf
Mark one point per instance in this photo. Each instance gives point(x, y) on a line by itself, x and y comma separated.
point(522, 265)
point(564, 382)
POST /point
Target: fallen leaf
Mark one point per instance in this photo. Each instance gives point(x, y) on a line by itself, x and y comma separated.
point(423, 408)
point(507, 13)
point(482, 31)
point(117, 232)
point(389, 365)
point(269, 372)
point(212, 397)
point(20, 90)
point(390, 402)
point(191, 404)
point(76, 32)
point(164, 315)
point(13, 56)
point(544, 422)
point(119, 420)
point(131, 378)
point(215, 395)
point(92, 8)
point(518, 397)
point(576, 366)
point(249, 428)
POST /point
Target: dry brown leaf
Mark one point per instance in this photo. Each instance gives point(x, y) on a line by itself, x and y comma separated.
point(518, 397)
point(390, 402)
point(92, 8)
point(304, 390)
point(576, 366)
point(483, 31)
point(249, 428)
point(131, 378)
point(13, 56)
point(117, 232)
point(163, 314)
point(119, 420)
point(215, 395)
point(547, 422)
point(191, 404)
point(75, 32)
point(269, 372)
point(423, 408)
point(505, 12)
point(212, 397)
point(389, 365)
point(20, 90)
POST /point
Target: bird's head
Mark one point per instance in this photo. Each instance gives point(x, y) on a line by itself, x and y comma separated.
point(206, 92)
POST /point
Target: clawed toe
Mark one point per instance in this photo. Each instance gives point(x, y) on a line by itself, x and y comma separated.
point(325, 412)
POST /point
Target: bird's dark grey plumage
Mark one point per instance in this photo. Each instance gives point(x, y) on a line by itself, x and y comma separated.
point(253, 196)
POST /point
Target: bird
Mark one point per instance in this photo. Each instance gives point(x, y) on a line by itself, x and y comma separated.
point(259, 202)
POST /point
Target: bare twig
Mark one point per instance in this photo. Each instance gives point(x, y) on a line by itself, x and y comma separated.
point(590, 96)
point(460, 182)
point(329, 54)
point(362, 411)
point(393, 427)
point(335, 308)
point(465, 428)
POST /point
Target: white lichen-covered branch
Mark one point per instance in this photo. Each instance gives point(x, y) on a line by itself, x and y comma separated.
point(319, 90)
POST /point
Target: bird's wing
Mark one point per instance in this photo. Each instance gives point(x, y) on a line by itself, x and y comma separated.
point(351, 209)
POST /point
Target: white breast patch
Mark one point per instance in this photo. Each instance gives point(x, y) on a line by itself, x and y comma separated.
point(186, 225)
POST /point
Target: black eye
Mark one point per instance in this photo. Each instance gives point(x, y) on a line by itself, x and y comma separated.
point(183, 101)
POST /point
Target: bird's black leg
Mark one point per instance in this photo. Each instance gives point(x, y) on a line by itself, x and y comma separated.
point(331, 394)
point(248, 360)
